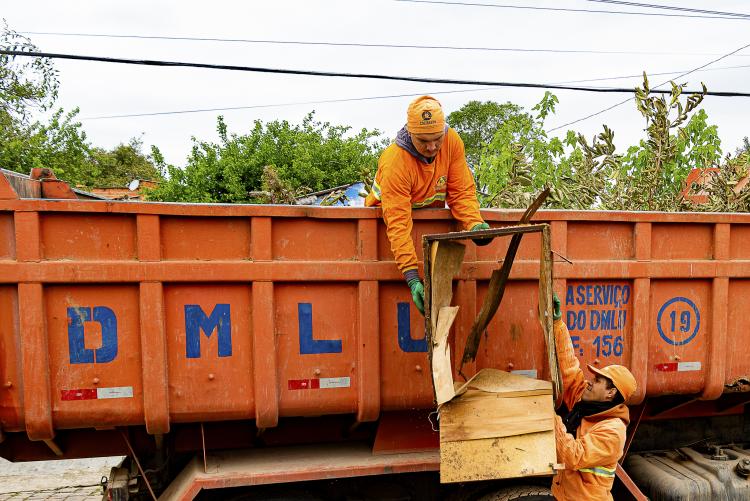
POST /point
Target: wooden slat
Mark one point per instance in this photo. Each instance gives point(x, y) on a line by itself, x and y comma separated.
point(477, 414)
point(442, 372)
point(494, 458)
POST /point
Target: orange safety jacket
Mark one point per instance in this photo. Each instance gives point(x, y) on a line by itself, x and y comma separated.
point(403, 183)
point(590, 459)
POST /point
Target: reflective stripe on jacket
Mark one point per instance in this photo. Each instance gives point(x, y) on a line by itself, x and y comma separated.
point(591, 457)
point(403, 183)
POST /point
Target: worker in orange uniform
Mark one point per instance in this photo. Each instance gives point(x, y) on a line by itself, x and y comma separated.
point(590, 437)
point(425, 167)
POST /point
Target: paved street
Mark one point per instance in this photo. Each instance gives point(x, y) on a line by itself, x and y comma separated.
point(70, 480)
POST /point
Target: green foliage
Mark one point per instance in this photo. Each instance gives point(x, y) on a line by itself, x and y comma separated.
point(652, 174)
point(745, 148)
point(309, 156)
point(59, 145)
point(728, 189)
point(124, 163)
point(521, 159)
point(29, 85)
point(477, 122)
point(25, 83)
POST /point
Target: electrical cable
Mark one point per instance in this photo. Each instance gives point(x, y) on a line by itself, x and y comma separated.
point(370, 98)
point(256, 69)
point(653, 91)
point(566, 9)
point(369, 45)
point(671, 7)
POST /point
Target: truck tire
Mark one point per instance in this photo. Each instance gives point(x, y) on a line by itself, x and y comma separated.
point(519, 493)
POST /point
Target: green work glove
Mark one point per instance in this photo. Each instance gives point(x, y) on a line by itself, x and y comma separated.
point(417, 293)
point(481, 241)
point(556, 312)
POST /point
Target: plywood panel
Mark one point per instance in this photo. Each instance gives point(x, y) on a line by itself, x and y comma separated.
point(477, 414)
point(497, 458)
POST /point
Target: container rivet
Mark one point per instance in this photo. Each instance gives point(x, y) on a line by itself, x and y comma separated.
point(597, 362)
point(510, 365)
point(95, 380)
point(8, 384)
point(418, 368)
point(211, 377)
point(676, 357)
point(316, 372)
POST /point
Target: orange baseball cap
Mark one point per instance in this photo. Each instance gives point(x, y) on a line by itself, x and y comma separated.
point(425, 116)
point(620, 376)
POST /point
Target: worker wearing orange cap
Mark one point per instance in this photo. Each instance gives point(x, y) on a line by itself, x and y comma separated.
point(425, 167)
point(591, 437)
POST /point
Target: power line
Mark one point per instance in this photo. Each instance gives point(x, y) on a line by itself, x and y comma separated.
point(369, 98)
point(652, 90)
point(672, 7)
point(256, 69)
point(565, 9)
point(367, 45)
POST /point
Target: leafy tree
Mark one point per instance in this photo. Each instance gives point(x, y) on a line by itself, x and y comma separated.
point(520, 159)
point(651, 175)
point(306, 157)
point(745, 148)
point(59, 145)
point(122, 164)
point(29, 86)
point(25, 83)
point(477, 122)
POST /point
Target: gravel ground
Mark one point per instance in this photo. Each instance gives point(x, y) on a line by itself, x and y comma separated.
point(72, 480)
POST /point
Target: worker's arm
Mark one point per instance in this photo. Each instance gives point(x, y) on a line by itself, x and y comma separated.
point(573, 379)
point(461, 193)
point(395, 200)
point(602, 445)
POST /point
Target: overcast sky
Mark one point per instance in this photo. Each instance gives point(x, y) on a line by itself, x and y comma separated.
point(655, 43)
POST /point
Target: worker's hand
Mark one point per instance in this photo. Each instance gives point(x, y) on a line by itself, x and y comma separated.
point(481, 241)
point(556, 311)
point(417, 293)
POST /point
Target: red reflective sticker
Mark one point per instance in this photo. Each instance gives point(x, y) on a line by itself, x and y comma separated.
point(667, 367)
point(79, 394)
point(315, 384)
point(299, 384)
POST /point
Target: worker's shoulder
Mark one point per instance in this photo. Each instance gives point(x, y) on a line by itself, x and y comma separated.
point(392, 151)
point(453, 136)
point(395, 158)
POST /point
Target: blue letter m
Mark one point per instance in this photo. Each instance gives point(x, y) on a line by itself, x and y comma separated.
point(196, 321)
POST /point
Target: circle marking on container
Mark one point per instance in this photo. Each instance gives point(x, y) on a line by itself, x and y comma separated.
point(691, 304)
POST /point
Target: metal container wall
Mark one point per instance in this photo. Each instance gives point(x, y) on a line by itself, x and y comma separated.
point(118, 313)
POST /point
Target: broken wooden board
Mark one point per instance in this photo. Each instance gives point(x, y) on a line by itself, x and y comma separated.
point(442, 372)
point(527, 455)
point(505, 384)
point(478, 414)
point(496, 290)
point(446, 259)
point(499, 425)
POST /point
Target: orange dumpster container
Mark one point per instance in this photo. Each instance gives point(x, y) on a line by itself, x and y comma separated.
point(130, 314)
point(136, 313)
